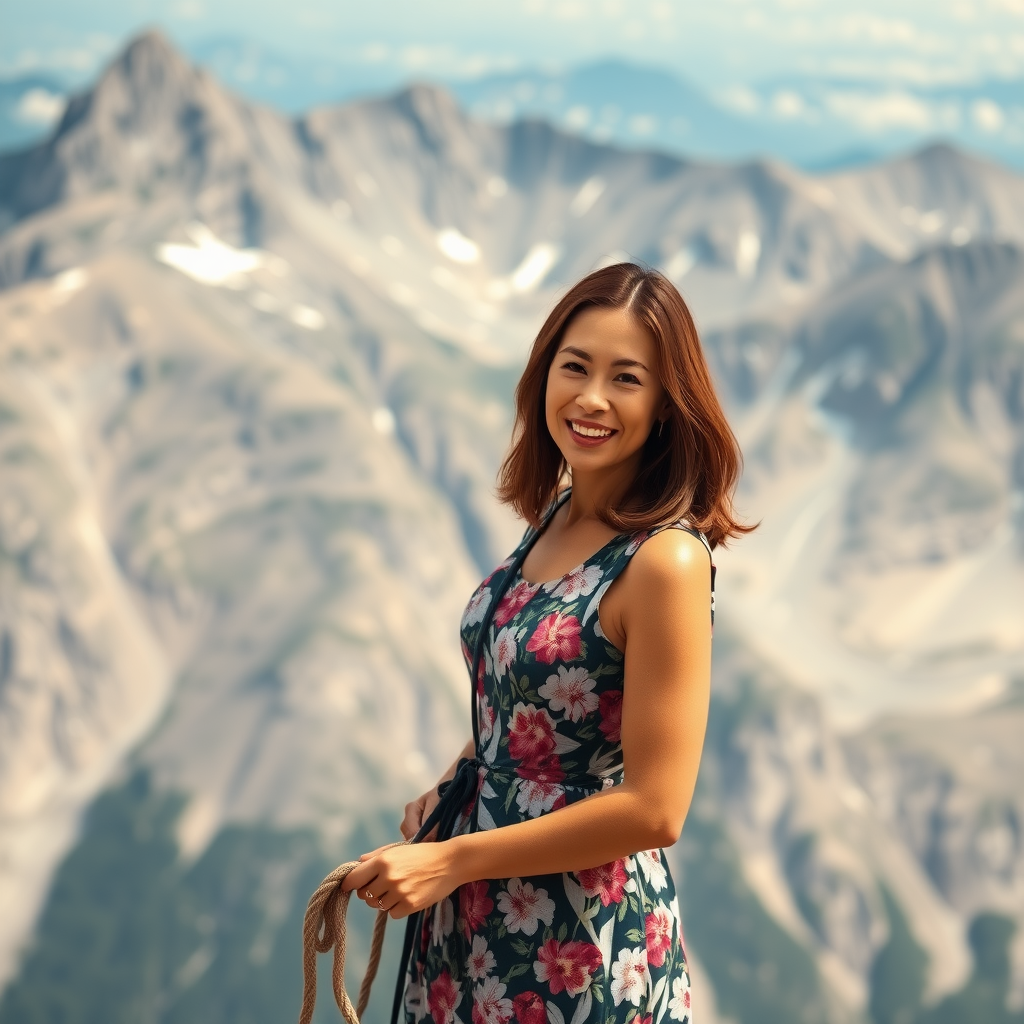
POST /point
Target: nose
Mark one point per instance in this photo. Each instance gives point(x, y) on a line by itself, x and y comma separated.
point(592, 397)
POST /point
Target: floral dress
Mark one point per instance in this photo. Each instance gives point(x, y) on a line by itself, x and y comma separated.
point(600, 945)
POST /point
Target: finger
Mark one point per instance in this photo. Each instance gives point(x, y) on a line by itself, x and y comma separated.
point(360, 877)
point(398, 909)
point(373, 853)
point(372, 899)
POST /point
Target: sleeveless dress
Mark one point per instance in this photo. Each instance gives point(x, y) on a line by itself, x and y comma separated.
point(603, 945)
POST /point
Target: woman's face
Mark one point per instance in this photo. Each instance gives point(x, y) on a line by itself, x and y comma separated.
point(603, 392)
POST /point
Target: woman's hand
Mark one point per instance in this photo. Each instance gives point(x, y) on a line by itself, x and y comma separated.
point(417, 812)
point(403, 879)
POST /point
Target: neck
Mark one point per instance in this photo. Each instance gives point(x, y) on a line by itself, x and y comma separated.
point(592, 492)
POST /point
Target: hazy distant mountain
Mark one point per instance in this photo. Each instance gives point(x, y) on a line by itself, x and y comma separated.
point(818, 122)
point(255, 379)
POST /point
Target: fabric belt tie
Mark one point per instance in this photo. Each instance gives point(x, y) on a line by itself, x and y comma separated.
point(454, 796)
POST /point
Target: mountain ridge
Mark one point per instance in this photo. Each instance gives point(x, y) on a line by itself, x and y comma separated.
point(287, 377)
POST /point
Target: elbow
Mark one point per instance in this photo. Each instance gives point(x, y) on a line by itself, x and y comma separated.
point(668, 834)
point(662, 828)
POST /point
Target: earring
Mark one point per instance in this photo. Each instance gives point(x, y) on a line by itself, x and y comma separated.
point(661, 427)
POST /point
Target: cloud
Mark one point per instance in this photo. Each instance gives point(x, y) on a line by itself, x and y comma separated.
point(882, 112)
point(39, 107)
point(189, 10)
point(987, 115)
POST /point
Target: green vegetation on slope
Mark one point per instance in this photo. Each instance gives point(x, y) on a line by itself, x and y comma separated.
point(898, 973)
point(131, 934)
point(758, 971)
point(983, 999)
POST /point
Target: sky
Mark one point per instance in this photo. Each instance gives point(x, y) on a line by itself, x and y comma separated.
point(718, 44)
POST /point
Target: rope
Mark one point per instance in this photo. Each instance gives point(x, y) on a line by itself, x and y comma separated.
point(324, 928)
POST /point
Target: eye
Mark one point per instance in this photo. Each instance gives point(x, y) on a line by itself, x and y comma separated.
point(573, 367)
point(628, 378)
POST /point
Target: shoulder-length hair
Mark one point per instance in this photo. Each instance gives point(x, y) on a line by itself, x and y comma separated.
point(689, 469)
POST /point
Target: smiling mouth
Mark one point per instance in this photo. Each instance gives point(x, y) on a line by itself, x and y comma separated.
point(588, 434)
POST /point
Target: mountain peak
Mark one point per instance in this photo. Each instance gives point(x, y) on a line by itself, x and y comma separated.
point(134, 87)
point(151, 116)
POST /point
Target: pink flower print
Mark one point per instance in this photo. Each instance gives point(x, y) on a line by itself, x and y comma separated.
point(566, 965)
point(503, 650)
point(480, 961)
point(556, 638)
point(658, 926)
point(570, 691)
point(679, 1004)
point(629, 975)
point(547, 769)
point(489, 1004)
point(474, 906)
point(443, 997)
point(513, 602)
point(580, 582)
point(477, 607)
point(607, 881)
point(610, 713)
point(649, 1019)
point(531, 737)
point(525, 907)
point(529, 1008)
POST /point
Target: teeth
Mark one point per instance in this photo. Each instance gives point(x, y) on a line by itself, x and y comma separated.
point(590, 431)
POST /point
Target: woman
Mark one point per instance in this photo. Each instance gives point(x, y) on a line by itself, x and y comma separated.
point(550, 900)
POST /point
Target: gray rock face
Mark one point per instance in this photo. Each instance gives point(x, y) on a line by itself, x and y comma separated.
point(255, 380)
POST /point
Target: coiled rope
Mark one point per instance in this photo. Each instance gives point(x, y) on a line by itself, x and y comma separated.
point(323, 929)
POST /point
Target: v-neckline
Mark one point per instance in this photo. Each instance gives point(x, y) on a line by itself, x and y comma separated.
point(576, 568)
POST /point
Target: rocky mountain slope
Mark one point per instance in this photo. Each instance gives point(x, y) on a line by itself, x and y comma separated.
point(255, 380)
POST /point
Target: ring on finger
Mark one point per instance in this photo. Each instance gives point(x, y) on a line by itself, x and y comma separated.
point(380, 902)
point(369, 895)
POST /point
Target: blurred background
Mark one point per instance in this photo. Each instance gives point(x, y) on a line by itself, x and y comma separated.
point(268, 274)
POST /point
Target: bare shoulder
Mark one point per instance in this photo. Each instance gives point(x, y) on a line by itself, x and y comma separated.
point(668, 579)
point(671, 558)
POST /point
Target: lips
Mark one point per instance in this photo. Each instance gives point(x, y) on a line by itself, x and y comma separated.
point(589, 435)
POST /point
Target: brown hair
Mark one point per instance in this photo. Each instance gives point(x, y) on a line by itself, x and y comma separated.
point(688, 470)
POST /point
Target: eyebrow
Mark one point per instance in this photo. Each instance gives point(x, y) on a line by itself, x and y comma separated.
point(588, 358)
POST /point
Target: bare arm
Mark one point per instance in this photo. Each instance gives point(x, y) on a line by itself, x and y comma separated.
point(666, 620)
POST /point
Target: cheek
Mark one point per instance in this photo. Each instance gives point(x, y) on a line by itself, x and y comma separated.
point(554, 399)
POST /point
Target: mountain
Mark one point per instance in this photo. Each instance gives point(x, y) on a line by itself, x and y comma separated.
point(256, 381)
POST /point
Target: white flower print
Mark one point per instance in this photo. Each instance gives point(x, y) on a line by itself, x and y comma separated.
point(595, 604)
point(570, 691)
point(635, 543)
point(485, 718)
point(480, 961)
point(629, 975)
point(503, 650)
point(477, 607)
point(524, 907)
point(416, 1001)
point(534, 798)
point(489, 1006)
point(653, 869)
point(443, 922)
point(679, 1004)
point(581, 581)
